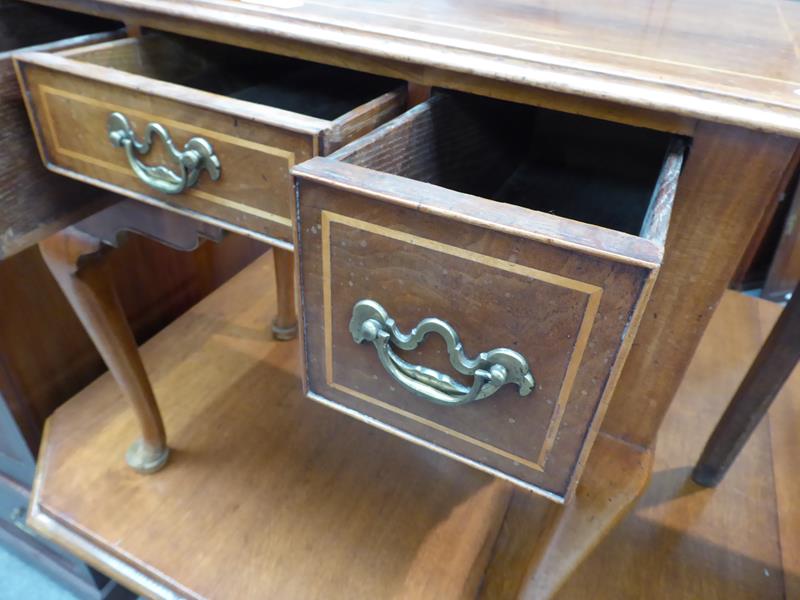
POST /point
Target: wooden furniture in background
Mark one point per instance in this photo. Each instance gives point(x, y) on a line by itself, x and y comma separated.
point(762, 384)
point(651, 68)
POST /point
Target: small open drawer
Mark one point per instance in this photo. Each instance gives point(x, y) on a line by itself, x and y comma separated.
point(195, 126)
point(473, 274)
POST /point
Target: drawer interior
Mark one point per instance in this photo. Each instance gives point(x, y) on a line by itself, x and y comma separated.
point(23, 24)
point(575, 167)
point(299, 86)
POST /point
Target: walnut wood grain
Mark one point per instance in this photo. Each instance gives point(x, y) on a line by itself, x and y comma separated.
point(77, 263)
point(287, 499)
point(653, 57)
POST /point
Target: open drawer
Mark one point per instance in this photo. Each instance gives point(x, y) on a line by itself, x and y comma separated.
point(473, 273)
point(194, 126)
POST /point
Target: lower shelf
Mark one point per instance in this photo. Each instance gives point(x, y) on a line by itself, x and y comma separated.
point(267, 494)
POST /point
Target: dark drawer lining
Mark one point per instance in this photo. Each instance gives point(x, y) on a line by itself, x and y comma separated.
point(585, 169)
point(303, 87)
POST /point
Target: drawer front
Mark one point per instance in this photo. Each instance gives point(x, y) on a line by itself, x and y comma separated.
point(254, 189)
point(570, 313)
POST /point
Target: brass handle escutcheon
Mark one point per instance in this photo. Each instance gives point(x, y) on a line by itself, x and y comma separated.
point(197, 155)
point(492, 370)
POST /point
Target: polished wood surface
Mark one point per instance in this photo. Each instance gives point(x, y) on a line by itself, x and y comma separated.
point(381, 220)
point(78, 263)
point(772, 367)
point(256, 137)
point(650, 64)
point(736, 64)
point(737, 541)
point(267, 494)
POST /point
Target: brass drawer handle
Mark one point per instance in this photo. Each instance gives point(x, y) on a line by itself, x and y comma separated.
point(197, 155)
point(492, 369)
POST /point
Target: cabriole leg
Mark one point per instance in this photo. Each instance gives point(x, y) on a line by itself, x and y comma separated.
point(78, 263)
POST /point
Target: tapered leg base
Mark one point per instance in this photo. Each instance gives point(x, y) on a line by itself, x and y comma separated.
point(146, 460)
point(283, 333)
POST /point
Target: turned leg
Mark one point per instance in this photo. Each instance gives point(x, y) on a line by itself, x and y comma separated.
point(284, 326)
point(77, 261)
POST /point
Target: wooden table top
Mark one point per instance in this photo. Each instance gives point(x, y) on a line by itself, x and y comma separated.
point(733, 62)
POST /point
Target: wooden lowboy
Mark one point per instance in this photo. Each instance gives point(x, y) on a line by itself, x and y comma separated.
point(514, 272)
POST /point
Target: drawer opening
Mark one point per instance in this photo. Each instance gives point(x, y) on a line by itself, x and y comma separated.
point(585, 169)
point(23, 24)
point(299, 86)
